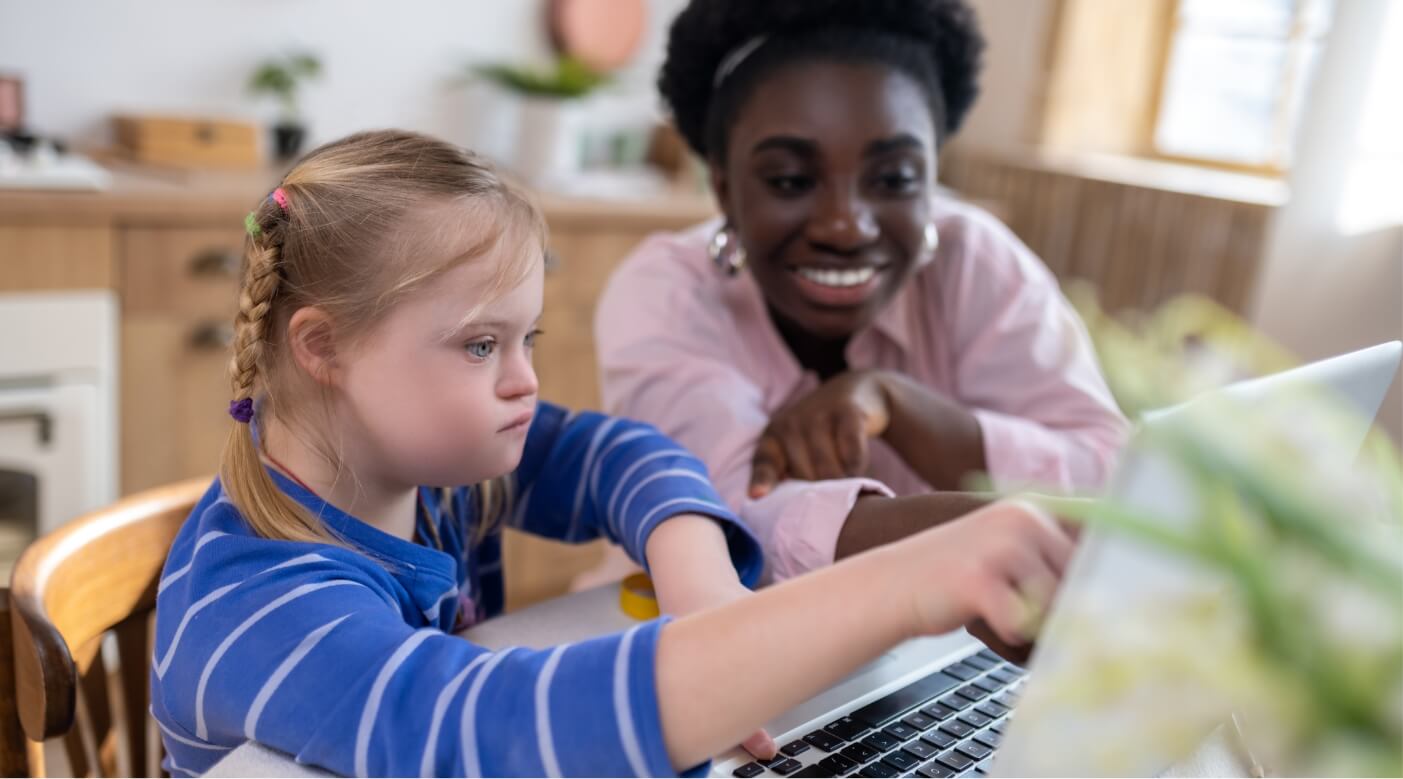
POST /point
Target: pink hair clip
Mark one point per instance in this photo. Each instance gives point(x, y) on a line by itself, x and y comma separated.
point(280, 197)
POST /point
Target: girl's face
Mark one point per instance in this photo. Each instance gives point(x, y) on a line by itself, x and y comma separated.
point(827, 181)
point(437, 402)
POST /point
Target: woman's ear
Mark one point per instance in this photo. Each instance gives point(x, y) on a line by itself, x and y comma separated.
point(310, 336)
point(720, 185)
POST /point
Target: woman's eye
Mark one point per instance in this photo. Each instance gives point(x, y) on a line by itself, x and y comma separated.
point(481, 349)
point(898, 181)
point(789, 185)
point(532, 336)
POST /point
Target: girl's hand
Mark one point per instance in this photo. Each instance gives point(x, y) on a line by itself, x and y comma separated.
point(1000, 566)
point(824, 434)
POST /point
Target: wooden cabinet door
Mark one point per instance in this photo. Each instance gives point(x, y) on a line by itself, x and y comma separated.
point(179, 289)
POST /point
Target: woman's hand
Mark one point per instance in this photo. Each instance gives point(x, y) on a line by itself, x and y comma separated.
point(823, 435)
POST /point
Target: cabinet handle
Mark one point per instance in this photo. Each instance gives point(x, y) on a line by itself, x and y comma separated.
point(223, 263)
point(212, 336)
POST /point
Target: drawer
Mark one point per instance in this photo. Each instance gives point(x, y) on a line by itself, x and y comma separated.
point(188, 271)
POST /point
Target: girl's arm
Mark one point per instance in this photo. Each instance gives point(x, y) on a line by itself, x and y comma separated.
point(723, 672)
point(586, 475)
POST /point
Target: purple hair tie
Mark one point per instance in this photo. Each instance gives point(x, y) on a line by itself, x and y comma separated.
point(241, 410)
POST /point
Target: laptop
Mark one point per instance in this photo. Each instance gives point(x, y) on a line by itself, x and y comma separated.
point(940, 706)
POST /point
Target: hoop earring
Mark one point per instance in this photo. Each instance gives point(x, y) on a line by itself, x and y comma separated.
point(930, 241)
point(726, 252)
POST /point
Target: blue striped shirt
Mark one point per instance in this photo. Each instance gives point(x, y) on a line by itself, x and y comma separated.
point(343, 658)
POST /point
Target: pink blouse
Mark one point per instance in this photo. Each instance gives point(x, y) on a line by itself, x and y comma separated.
point(687, 349)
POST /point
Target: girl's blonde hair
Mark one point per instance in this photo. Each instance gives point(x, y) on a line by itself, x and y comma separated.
point(347, 231)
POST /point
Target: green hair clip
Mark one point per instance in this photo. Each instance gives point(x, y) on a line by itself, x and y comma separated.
point(251, 225)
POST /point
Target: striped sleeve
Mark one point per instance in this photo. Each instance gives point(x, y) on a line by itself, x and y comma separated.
point(309, 659)
point(584, 476)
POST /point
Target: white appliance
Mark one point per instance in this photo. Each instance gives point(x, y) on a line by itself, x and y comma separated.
point(58, 406)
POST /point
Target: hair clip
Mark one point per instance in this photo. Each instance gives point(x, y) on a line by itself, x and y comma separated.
point(251, 225)
point(279, 197)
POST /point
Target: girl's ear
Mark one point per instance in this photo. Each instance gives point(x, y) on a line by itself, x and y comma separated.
point(310, 337)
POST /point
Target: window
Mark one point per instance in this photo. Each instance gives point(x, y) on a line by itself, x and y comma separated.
point(1373, 195)
point(1234, 80)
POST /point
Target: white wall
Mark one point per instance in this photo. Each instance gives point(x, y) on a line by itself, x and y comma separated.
point(387, 63)
point(1322, 291)
point(1011, 88)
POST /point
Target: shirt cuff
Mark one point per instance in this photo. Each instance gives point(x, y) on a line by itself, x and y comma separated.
point(810, 517)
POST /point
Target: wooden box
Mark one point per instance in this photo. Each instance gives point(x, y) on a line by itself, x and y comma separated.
point(188, 142)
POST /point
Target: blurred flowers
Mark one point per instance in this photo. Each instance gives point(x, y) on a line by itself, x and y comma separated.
point(1298, 536)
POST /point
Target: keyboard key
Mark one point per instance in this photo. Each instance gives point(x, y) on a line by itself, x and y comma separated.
point(748, 770)
point(789, 766)
point(881, 742)
point(962, 671)
point(1003, 676)
point(988, 685)
point(974, 718)
point(972, 692)
point(938, 711)
point(824, 740)
point(956, 702)
point(923, 749)
point(883, 710)
point(956, 728)
point(957, 761)
point(794, 748)
point(847, 728)
point(991, 709)
point(920, 721)
point(934, 770)
point(813, 770)
point(939, 738)
point(982, 663)
point(990, 655)
point(838, 764)
point(998, 727)
point(1007, 700)
point(878, 770)
point(975, 750)
point(859, 752)
point(989, 739)
point(901, 732)
point(901, 760)
point(983, 768)
point(774, 761)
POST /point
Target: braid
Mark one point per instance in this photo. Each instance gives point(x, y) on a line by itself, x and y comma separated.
point(260, 286)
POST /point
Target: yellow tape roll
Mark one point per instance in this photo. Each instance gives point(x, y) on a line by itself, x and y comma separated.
point(636, 597)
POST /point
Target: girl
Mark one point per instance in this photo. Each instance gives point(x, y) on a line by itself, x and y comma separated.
point(844, 323)
point(388, 307)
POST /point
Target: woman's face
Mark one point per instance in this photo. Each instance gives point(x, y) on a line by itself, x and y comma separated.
point(827, 182)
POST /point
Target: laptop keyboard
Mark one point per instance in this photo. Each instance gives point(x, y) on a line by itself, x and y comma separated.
point(946, 724)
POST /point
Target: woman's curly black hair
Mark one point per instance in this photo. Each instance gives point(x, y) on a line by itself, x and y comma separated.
point(936, 42)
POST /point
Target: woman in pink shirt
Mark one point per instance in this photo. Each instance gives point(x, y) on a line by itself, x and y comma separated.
point(845, 346)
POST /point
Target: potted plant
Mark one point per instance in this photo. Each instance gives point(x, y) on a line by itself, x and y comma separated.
point(281, 77)
point(1294, 646)
point(546, 139)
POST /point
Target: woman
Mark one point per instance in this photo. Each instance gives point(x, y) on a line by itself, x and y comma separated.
point(845, 334)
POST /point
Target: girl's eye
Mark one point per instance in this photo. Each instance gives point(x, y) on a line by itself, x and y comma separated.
point(481, 349)
point(532, 336)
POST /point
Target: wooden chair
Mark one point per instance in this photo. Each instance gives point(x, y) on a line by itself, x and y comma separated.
point(83, 601)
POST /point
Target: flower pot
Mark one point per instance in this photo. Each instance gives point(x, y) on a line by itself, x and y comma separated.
point(288, 138)
point(548, 140)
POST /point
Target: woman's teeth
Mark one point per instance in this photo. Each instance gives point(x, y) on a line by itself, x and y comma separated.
point(838, 278)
